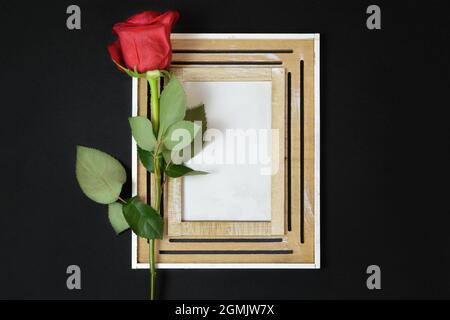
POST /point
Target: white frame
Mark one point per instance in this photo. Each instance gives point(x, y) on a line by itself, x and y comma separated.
point(316, 264)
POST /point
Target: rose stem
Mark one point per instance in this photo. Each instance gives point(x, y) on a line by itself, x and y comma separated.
point(154, 89)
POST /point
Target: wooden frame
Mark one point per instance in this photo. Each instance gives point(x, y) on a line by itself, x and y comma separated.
point(178, 227)
point(299, 246)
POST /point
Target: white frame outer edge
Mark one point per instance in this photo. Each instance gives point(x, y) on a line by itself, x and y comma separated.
point(316, 264)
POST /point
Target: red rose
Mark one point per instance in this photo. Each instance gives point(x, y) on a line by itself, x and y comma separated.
point(144, 41)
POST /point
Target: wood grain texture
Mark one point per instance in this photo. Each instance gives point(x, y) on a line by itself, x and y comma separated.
point(278, 150)
point(220, 73)
point(141, 170)
point(177, 227)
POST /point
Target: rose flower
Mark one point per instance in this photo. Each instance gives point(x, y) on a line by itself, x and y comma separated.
point(143, 41)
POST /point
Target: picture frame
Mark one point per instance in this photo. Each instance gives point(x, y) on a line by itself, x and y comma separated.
point(294, 242)
point(174, 201)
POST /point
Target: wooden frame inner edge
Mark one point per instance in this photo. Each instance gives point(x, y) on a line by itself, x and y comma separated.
point(178, 228)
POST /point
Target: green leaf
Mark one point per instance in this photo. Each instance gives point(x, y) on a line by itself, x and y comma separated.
point(100, 176)
point(167, 155)
point(180, 135)
point(146, 158)
point(116, 218)
point(142, 131)
point(198, 114)
point(143, 219)
point(176, 156)
point(179, 170)
point(172, 105)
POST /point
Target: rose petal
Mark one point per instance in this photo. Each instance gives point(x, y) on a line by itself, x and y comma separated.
point(146, 17)
point(168, 18)
point(144, 41)
point(116, 53)
point(145, 47)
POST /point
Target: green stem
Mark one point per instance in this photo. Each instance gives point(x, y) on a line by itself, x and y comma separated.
point(154, 88)
point(156, 206)
point(152, 269)
point(158, 187)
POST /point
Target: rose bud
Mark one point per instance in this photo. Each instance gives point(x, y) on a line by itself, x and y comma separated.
point(143, 41)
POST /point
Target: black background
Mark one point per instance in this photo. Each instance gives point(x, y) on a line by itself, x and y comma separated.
point(385, 133)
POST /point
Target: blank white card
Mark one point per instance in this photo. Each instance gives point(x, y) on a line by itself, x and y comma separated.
point(236, 189)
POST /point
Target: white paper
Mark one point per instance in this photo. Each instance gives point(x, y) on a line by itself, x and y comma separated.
point(236, 192)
